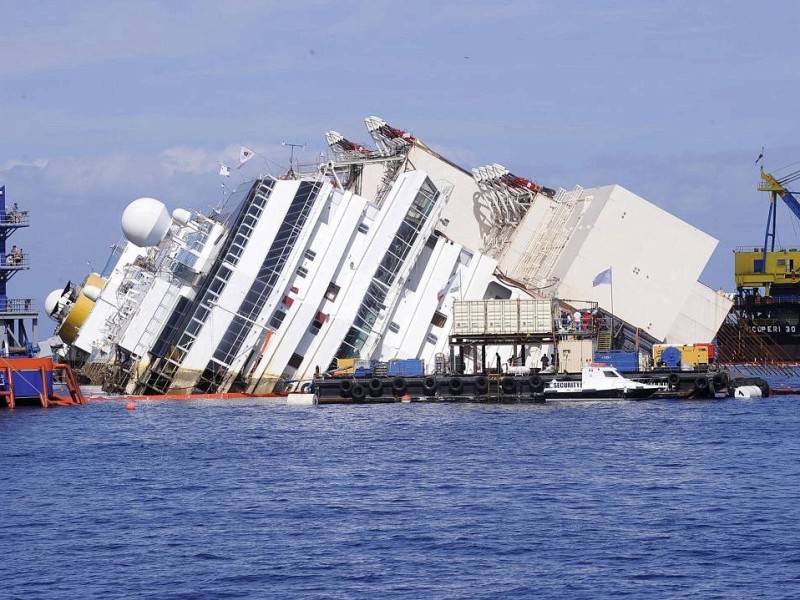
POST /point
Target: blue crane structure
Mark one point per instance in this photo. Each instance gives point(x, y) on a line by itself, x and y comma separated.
point(777, 187)
point(18, 316)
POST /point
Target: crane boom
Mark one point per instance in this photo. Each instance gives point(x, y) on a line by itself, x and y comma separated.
point(775, 187)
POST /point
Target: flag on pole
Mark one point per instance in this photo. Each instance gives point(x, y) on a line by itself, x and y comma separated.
point(224, 170)
point(245, 154)
point(602, 277)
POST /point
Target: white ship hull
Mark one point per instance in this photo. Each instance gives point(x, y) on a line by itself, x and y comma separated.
point(364, 259)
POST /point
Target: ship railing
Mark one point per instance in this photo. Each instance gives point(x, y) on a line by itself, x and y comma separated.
point(761, 250)
point(14, 218)
point(11, 262)
point(750, 301)
point(17, 305)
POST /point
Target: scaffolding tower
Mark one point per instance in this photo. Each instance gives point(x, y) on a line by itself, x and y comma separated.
point(18, 316)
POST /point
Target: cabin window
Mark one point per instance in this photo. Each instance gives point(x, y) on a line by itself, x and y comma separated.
point(362, 228)
point(295, 361)
point(277, 319)
point(332, 292)
point(302, 272)
point(316, 324)
point(310, 254)
point(394, 327)
point(439, 319)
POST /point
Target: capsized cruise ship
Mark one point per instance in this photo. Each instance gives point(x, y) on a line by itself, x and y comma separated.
point(364, 258)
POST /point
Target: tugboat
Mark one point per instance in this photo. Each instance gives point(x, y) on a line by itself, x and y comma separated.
point(25, 379)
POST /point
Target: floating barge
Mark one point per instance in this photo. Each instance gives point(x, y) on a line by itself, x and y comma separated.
point(505, 388)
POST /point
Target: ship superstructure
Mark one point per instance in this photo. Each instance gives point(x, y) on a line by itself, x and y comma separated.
point(364, 258)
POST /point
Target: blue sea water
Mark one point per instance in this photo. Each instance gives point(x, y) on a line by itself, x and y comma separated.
point(256, 499)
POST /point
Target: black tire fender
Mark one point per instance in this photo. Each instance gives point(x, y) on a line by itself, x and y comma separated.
point(481, 384)
point(701, 383)
point(508, 385)
point(375, 387)
point(456, 386)
point(399, 385)
point(358, 392)
point(429, 386)
point(345, 388)
point(537, 383)
point(674, 379)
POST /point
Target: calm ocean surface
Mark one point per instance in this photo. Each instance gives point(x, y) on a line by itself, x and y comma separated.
point(256, 499)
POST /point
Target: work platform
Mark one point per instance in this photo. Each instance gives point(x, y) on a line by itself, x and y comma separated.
point(37, 382)
point(499, 388)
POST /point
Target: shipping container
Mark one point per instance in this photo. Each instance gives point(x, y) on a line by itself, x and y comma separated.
point(622, 360)
point(535, 316)
point(502, 317)
point(573, 355)
point(469, 317)
point(406, 367)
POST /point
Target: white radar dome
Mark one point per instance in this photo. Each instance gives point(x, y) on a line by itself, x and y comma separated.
point(181, 216)
point(51, 302)
point(145, 222)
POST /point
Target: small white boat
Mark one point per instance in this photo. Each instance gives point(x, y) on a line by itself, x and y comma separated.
point(598, 382)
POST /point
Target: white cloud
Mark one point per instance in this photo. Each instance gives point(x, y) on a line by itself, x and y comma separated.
point(39, 163)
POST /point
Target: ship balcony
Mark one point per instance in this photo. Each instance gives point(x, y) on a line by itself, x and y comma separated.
point(12, 219)
point(18, 307)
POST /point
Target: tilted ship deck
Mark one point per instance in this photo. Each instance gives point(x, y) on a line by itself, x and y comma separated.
point(367, 257)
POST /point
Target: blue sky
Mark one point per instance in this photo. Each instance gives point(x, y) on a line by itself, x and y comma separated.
point(102, 103)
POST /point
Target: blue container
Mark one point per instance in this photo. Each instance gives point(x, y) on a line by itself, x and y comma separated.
point(622, 360)
point(28, 384)
point(406, 367)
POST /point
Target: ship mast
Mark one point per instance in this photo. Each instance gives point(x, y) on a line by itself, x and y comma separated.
point(14, 312)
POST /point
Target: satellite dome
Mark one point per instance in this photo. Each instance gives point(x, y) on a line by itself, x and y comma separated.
point(181, 216)
point(145, 222)
point(51, 303)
